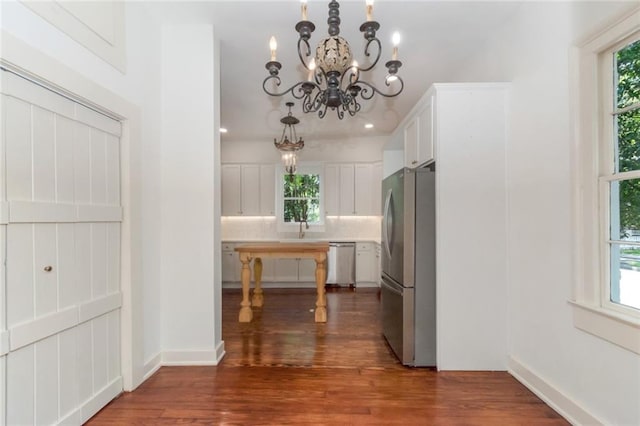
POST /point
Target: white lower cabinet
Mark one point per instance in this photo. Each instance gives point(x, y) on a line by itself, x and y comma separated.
point(230, 266)
point(366, 264)
point(286, 270)
point(307, 270)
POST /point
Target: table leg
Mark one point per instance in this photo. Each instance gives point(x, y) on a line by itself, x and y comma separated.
point(321, 302)
point(245, 306)
point(258, 298)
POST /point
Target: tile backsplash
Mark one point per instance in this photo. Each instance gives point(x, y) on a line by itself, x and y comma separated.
point(336, 227)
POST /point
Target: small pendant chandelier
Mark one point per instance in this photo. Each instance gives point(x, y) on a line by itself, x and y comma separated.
point(334, 79)
point(289, 142)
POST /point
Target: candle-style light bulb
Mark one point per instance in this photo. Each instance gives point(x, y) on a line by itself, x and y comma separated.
point(395, 39)
point(273, 45)
point(354, 66)
point(369, 4)
point(312, 68)
point(304, 9)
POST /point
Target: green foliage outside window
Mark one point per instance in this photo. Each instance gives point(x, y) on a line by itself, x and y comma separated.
point(301, 198)
point(628, 124)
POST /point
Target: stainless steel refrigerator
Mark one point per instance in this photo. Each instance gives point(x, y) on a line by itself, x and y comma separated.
point(409, 265)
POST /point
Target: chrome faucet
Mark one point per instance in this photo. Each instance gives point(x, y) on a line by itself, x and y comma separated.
point(301, 232)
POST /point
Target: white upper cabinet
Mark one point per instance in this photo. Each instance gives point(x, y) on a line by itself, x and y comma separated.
point(331, 189)
point(267, 190)
point(351, 189)
point(376, 189)
point(346, 191)
point(248, 190)
point(250, 193)
point(364, 187)
point(418, 133)
point(231, 190)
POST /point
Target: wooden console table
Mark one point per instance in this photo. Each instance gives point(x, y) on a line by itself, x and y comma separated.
point(247, 252)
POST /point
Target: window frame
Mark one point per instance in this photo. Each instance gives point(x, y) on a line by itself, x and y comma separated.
point(608, 174)
point(592, 172)
point(302, 168)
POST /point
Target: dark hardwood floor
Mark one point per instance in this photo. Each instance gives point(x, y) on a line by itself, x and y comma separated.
point(283, 368)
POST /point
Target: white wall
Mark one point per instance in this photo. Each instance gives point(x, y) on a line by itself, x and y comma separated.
point(545, 348)
point(188, 194)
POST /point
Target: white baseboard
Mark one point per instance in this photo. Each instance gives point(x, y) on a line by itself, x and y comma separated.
point(151, 366)
point(565, 406)
point(100, 399)
point(72, 418)
point(172, 358)
point(220, 352)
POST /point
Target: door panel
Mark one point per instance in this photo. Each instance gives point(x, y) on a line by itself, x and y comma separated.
point(67, 283)
point(64, 160)
point(98, 260)
point(113, 258)
point(43, 142)
point(113, 343)
point(85, 361)
point(18, 149)
point(100, 352)
point(44, 255)
point(19, 274)
point(68, 372)
point(81, 163)
point(20, 386)
point(82, 236)
point(112, 149)
point(98, 168)
point(46, 380)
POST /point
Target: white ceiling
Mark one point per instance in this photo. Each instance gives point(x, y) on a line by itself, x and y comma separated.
point(437, 36)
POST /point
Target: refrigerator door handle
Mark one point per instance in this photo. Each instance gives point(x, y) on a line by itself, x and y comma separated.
point(388, 223)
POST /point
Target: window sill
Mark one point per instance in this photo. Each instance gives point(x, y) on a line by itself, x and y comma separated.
point(620, 329)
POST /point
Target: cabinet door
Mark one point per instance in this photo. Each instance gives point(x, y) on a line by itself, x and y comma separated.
point(331, 190)
point(307, 270)
point(425, 132)
point(363, 189)
point(250, 190)
point(347, 179)
point(365, 263)
point(287, 270)
point(267, 190)
point(411, 143)
point(376, 189)
point(231, 190)
point(268, 269)
point(230, 266)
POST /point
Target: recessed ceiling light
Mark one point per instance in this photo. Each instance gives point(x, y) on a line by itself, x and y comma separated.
point(368, 126)
point(223, 130)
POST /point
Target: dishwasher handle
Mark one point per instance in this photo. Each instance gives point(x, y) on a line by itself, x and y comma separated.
point(342, 244)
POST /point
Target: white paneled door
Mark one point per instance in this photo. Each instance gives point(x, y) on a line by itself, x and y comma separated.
point(60, 218)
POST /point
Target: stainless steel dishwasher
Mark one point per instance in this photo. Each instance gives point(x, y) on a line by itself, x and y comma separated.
point(341, 264)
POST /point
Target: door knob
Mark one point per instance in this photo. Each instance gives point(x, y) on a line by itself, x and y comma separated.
point(48, 268)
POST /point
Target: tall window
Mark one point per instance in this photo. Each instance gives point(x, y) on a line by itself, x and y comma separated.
point(621, 175)
point(606, 171)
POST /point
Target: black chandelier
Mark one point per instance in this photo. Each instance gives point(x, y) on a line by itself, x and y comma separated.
point(334, 81)
point(289, 142)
